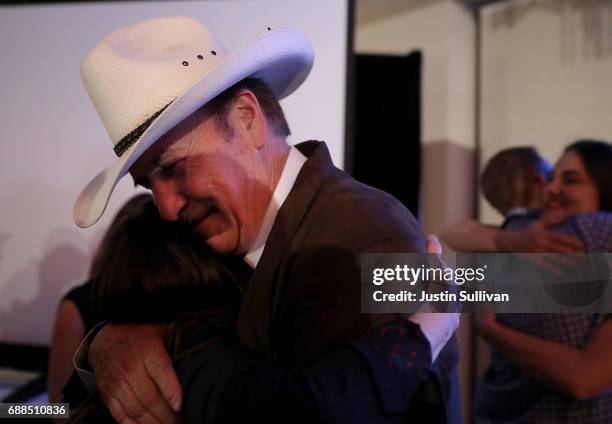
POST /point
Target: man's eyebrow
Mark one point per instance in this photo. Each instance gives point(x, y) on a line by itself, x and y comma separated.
point(168, 157)
point(174, 152)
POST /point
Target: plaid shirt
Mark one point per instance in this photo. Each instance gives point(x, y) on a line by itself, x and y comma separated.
point(505, 394)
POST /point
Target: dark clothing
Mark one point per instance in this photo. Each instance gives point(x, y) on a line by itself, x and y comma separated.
point(81, 296)
point(227, 383)
point(516, 218)
point(224, 382)
point(74, 391)
point(302, 309)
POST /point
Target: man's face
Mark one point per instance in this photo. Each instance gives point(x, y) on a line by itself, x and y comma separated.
point(201, 176)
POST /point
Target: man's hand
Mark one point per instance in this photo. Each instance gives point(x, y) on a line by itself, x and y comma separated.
point(537, 238)
point(437, 327)
point(134, 374)
point(433, 246)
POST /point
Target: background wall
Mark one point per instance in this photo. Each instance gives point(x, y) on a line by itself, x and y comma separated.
point(445, 32)
point(546, 76)
point(53, 141)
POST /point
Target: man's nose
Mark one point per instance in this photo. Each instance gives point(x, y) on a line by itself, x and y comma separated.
point(168, 199)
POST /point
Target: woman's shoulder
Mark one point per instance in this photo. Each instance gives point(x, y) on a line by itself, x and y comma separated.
point(595, 229)
point(79, 293)
point(81, 296)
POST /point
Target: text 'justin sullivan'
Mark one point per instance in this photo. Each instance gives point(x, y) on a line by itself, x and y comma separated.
point(444, 296)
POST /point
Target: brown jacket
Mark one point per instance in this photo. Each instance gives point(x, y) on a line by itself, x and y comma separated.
point(304, 295)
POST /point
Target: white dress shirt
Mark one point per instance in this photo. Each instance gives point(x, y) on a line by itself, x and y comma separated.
point(292, 168)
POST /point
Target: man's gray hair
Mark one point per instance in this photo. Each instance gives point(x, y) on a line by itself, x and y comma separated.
point(220, 105)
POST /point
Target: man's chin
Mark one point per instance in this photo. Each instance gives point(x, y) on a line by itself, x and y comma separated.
point(219, 234)
point(223, 242)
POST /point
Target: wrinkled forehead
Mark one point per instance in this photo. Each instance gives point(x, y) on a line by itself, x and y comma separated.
point(149, 158)
point(175, 144)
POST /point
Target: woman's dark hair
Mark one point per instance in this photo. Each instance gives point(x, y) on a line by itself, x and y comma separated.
point(150, 270)
point(596, 156)
point(131, 209)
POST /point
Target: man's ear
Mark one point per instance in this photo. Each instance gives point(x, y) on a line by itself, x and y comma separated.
point(250, 118)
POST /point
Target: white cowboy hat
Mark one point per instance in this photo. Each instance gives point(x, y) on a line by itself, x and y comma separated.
point(146, 78)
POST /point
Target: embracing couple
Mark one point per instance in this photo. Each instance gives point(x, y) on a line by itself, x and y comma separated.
point(203, 130)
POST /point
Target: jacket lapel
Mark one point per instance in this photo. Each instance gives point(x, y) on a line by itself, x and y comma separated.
point(258, 307)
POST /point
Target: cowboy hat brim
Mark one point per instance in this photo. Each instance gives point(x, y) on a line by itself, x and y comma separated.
point(287, 62)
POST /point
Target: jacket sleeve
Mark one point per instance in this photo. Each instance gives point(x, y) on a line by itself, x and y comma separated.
point(319, 310)
point(225, 382)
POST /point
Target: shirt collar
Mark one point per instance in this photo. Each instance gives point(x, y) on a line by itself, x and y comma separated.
point(522, 211)
point(292, 168)
point(519, 211)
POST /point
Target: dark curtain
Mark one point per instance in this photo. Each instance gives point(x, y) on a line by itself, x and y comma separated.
point(386, 151)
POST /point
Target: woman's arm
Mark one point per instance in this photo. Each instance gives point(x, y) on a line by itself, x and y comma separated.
point(68, 331)
point(580, 373)
point(472, 236)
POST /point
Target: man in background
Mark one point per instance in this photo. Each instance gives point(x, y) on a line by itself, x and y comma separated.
point(513, 182)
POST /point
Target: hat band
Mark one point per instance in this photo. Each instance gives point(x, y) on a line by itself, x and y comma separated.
point(127, 141)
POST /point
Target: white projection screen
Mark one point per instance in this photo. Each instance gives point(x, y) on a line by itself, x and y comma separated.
point(52, 141)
